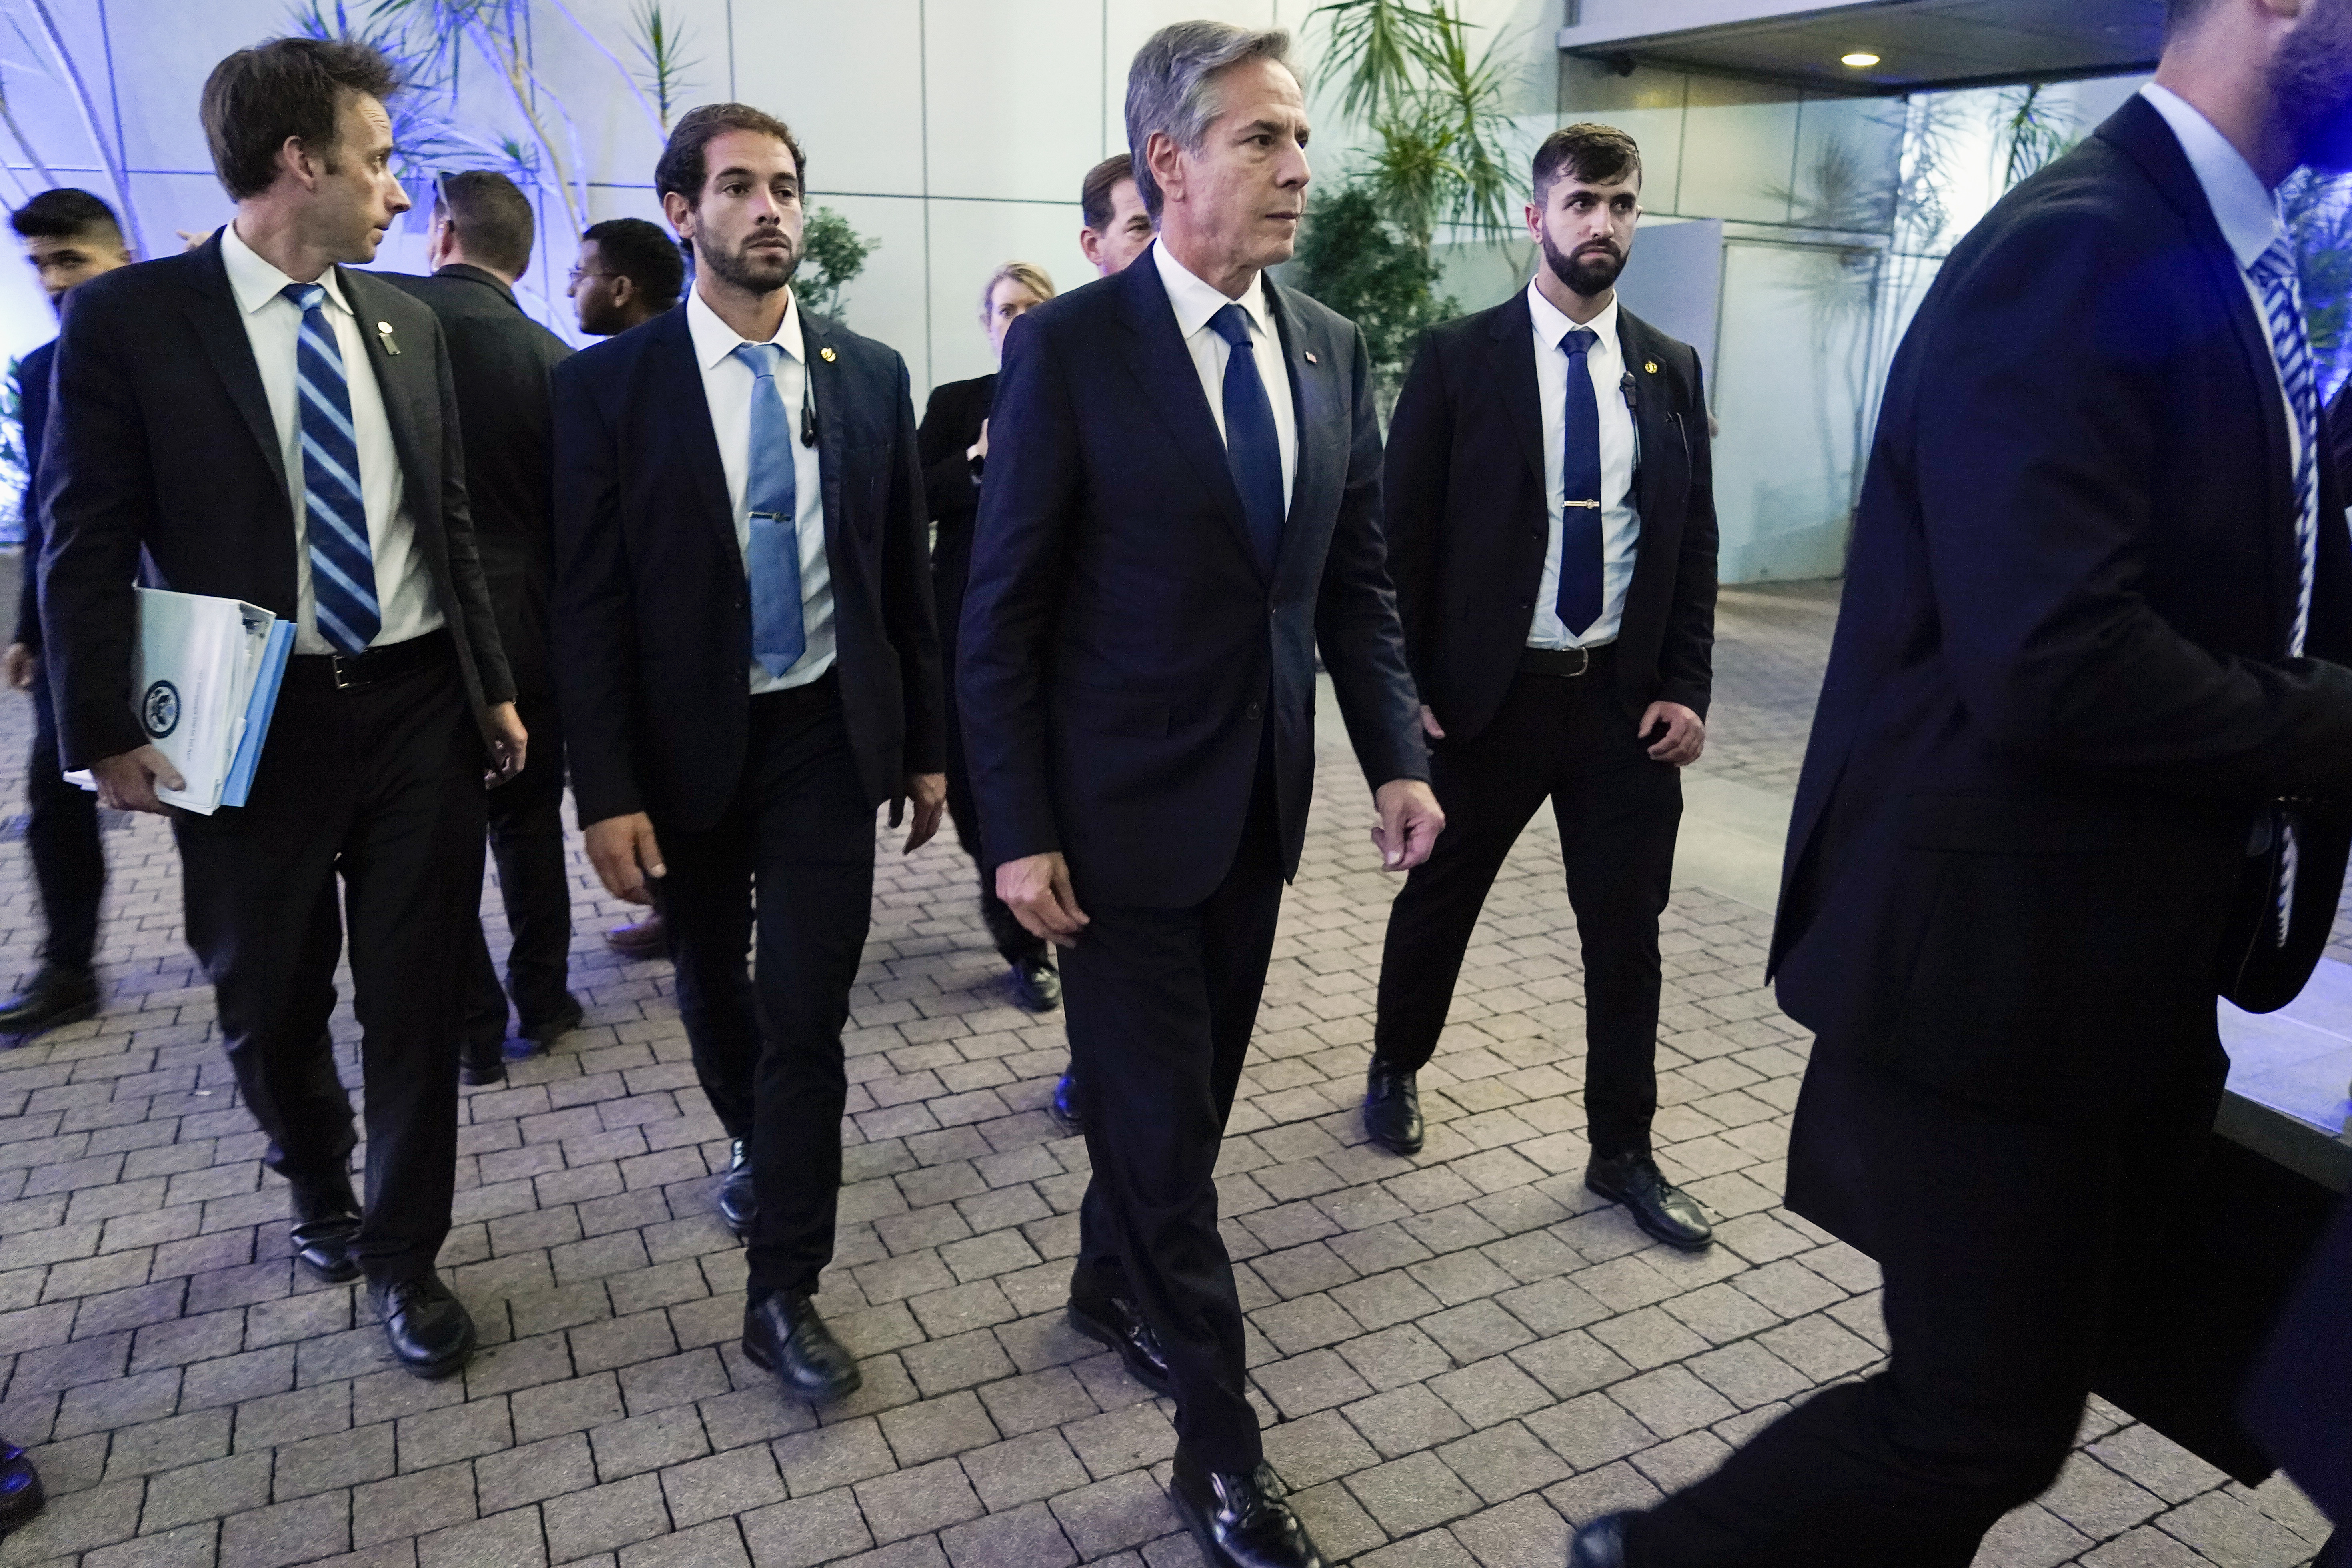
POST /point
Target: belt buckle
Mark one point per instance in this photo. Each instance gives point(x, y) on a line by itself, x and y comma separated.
point(1584, 658)
point(335, 668)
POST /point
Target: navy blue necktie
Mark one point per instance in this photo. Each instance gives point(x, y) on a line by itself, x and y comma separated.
point(1579, 489)
point(772, 559)
point(334, 516)
point(1252, 448)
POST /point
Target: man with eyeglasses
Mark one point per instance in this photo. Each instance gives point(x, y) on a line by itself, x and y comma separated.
point(629, 271)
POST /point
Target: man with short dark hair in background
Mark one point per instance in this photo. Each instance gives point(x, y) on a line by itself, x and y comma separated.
point(69, 237)
point(749, 668)
point(628, 272)
point(499, 359)
point(1550, 511)
point(1116, 225)
point(257, 419)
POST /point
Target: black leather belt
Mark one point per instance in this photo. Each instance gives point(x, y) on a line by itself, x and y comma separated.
point(1570, 662)
point(343, 671)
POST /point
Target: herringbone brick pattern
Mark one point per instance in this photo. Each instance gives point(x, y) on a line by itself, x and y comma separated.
point(1456, 1356)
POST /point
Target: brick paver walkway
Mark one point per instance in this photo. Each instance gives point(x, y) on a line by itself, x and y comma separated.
point(1455, 1356)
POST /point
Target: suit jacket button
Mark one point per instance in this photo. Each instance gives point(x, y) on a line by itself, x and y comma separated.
point(1256, 709)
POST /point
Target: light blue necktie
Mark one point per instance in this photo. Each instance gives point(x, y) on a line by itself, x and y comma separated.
point(771, 492)
point(2275, 272)
point(342, 568)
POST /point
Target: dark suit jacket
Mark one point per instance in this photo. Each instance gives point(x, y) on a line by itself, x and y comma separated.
point(1468, 516)
point(653, 613)
point(951, 423)
point(502, 361)
point(1123, 658)
point(161, 442)
point(2060, 694)
point(33, 415)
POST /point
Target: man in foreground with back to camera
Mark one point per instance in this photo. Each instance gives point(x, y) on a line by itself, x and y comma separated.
point(2096, 616)
point(1182, 500)
point(69, 237)
point(749, 668)
point(1551, 508)
point(258, 420)
point(499, 359)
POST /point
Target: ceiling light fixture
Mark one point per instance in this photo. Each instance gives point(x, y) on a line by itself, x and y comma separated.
point(1861, 59)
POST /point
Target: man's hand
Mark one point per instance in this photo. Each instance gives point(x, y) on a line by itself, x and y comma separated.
point(978, 450)
point(929, 795)
point(127, 780)
point(1429, 724)
point(22, 666)
point(1685, 735)
point(509, 743)
point(1410, 820)
point(622, 850)
point(1037, 888)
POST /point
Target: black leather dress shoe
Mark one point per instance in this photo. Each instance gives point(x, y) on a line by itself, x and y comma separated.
point(1600, 1544)
point(326, 1221)
point(1109, 1321)
point(1037, 986)
point(1392, 1110)
point(544, 1032)
point(1065, 1104)
point(1243, 1520)
point(783, 1334)
point(20, 1488)
point(55, 998)
point(479, 1065)
point(1665, 1211)
point(735, 1205)
point(648, 938)
point(428, 1329)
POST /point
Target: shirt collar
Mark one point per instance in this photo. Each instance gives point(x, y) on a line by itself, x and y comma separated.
point(1196, 301)
point(2245, 208)
point(256, 282)
point(714, 340)
point(1552, 324)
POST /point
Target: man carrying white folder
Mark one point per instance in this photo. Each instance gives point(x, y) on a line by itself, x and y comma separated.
point(262, 424)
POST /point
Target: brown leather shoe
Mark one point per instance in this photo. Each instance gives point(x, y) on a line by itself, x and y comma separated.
point(648, 938)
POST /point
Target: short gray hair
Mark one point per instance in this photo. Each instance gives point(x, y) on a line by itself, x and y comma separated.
point(1168, 86)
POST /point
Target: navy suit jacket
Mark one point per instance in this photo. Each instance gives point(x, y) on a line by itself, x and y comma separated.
point(652, 610)
point(33, 416)
point(2060, 694)
point(1124, 659)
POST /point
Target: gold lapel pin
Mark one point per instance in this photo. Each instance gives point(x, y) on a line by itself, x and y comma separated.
point(391, 344)
point(827, 355)
point(1651, 365)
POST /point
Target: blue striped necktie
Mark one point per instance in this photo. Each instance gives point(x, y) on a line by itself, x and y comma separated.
point(2275, 272)
point(342, 568)
point(772, 559)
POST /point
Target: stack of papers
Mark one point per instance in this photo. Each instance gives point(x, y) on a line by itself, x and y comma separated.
point(204, 686)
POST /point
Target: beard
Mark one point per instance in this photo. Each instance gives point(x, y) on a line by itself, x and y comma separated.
point(2312, 84)
point(1592, 272)
point(761, 269)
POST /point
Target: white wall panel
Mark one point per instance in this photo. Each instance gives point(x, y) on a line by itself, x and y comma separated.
point(1014, 97)
point(972, 239)
point(889, 300)
point(847, 77)
point(162, 54)
point(1648, 106)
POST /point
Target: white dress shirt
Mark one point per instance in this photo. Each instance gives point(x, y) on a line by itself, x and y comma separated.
point(404, 589)
point(1195, 302)
point(726, 383)
point(1621, 525)
point(2245, 208)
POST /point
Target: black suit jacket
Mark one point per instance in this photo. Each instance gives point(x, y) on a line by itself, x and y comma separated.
point(502, 360)
point(163, 466)
point(653, 613)
point(1469, 523)
point(1123, 658)
point(2060, 692)
point(33, 416)
point(951, 422)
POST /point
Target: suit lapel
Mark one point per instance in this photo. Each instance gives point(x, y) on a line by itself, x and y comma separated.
point(825, 384)
point(403, 380)
point(1319, 416)
point(1157, 356)
point(221, 327)
point(677, 377)
point(1515, 350)
point(1651, 430)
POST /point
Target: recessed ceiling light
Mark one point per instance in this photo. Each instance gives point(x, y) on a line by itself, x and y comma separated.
point(1861, 59)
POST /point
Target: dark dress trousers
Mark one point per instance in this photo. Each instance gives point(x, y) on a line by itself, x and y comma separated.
point(1139, 694)
point(951, 423)
point(61, 830)
point(2058, 698)
point(776, 793)
point(502, 361)
point(163, 449)
point(1468, 526)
